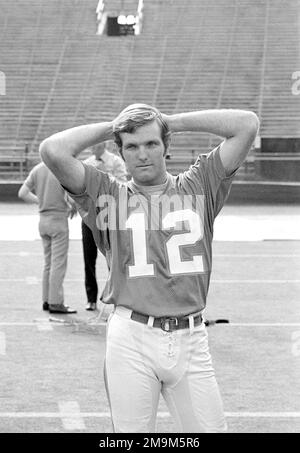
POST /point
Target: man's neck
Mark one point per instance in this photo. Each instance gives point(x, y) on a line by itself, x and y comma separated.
point(151, 186)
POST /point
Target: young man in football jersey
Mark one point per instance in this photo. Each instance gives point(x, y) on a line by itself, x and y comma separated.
point(156, 233)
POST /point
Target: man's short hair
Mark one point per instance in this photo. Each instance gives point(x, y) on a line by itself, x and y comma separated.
point(135, 116)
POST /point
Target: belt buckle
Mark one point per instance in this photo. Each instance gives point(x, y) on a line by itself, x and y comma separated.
point(167, 324)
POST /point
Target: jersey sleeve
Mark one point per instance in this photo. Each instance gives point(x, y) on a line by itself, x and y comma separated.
point(209, 173)
point(97, 183)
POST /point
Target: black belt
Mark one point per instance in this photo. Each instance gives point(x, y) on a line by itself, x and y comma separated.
point(166, 323)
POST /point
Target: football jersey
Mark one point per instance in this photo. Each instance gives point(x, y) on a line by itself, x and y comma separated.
point(158, 244)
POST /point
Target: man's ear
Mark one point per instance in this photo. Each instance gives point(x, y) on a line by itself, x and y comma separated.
point(167, 144)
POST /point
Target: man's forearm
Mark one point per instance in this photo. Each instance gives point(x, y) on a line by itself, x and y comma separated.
point(59, 152)
point(224, 123)
point(73, 141)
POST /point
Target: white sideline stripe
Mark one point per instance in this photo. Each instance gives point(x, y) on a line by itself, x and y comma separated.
point(79, 416)
point(2, 343)
point(35, 280)
point(70, 415)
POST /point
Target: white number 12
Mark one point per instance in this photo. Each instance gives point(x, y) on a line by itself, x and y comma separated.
point(141, 267)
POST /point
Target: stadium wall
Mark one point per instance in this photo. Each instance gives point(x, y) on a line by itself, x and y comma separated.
point(241, 193)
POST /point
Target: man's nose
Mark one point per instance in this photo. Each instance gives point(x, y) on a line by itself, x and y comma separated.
point(143, 153)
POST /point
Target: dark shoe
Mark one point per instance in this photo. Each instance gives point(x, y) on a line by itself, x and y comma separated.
point(45, 306)
point(91, 306)
point(61, 308)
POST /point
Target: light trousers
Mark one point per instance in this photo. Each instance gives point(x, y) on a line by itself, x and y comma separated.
point(54, 232)
point(143, 362)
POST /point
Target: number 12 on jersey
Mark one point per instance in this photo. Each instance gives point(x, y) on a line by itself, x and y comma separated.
point(141, 267)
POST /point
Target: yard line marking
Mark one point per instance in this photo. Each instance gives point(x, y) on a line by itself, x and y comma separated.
point(35, 280)
point(263, 324)
point(43, 324)
point(258, 281)
point(81, 280)
point(82, 415)
point(255, 255)
point(70, 415)
point(31, 280)
point(25, 254)
point(263, 414)
point(2, 343)
point(36, 323)
point(12, 323)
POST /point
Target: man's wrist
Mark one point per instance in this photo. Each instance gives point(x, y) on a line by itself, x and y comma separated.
point(110, 130)
point(174, 122)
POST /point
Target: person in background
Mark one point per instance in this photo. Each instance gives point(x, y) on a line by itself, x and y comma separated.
point(55, 206)
point(110, 163)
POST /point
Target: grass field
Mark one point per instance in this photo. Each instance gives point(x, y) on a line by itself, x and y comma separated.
point(51, 373)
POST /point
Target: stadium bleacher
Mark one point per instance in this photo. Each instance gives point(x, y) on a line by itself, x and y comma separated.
point(195, 54)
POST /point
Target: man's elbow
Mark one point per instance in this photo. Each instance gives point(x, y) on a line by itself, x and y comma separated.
point(21, 192)
point(252, 124)
point(48, 151)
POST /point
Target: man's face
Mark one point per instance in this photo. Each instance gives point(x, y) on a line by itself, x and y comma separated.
point(143, 152)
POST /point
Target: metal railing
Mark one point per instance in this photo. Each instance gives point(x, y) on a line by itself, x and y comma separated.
point(15, 166)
